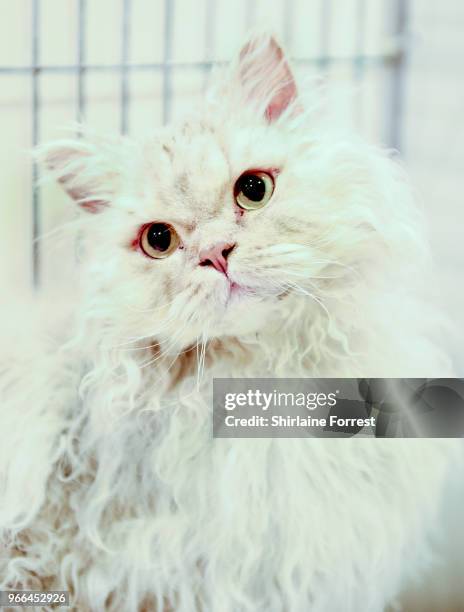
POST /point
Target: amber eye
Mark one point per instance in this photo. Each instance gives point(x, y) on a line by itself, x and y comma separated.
point(253, 190)
point(159, 240)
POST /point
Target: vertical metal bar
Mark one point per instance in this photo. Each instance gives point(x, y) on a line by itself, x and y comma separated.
point(394, 127)
point(358, 67)
point(36, 217)
point(167, 56)
point(358, 60)
point(125, 45)
point(325, 7)
point(81, 108)
point(81, 97)
point(210, 27)
point(288, 19)
point(250, 16)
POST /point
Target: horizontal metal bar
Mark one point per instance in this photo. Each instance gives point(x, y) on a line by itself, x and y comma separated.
point(385, 58)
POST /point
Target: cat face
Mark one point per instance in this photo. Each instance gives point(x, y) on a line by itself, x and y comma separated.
point(212, 227)
point(207, 242)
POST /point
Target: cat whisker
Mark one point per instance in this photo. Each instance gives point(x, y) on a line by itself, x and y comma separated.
point(202, 358)
point(313, 297)
point(150, 310)
point(164, 353)
point(60, 228)
point(332, 262)
point(140, 348)
point(293, 249)
point(188, 322)
point(165, 323)
point(124, 344)
point(285, 285)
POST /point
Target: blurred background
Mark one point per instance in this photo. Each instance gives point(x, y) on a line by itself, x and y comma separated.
point(132, 65)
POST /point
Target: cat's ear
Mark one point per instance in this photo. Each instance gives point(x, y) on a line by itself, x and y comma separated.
point(265, 76)
point(82, 169)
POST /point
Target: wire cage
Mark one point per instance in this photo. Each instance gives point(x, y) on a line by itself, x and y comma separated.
point(130, 65)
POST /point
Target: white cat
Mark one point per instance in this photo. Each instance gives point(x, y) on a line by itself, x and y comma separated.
point(252, 239)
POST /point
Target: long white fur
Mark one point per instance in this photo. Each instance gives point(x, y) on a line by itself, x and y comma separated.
point(111, 486)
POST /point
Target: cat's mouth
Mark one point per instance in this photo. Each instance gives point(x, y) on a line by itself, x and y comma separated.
point(235, 289)
point(238, 292)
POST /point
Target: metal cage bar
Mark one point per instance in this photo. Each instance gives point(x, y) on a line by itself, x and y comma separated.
point(288, 19)
point(36, 216)
point(125, 50)
point(81, 58)
point(325, 10)
point(169, 8)
point(327, 60)
point(210, 40)
point(399, 19)
point(361, 11)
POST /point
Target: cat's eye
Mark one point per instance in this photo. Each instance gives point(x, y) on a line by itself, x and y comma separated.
point(159, 240)
point(253, 190)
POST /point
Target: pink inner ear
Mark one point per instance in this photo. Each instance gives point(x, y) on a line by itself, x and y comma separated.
point(93, 206)
point(266, 76)
point(287, 92)
point(280, 102)
point(78, 194)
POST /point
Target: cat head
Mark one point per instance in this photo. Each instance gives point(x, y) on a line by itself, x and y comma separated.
point(215, 226)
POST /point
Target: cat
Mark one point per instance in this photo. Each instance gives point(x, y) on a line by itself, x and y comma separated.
point(253, 238)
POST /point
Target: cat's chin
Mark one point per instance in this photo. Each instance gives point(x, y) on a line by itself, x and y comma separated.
point(245, 310)
point(232, 307)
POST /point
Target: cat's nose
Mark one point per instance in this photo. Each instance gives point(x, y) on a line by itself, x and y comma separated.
point(216, 256)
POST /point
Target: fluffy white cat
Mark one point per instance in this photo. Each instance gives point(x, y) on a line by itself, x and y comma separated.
point(251, 239)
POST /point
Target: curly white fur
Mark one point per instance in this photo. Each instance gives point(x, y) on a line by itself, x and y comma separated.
point(111, 486)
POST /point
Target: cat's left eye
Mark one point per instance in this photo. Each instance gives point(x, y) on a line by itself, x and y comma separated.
point(254, 190)
point(159, 240)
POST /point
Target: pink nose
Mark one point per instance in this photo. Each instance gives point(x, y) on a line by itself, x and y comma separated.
point(216, 256)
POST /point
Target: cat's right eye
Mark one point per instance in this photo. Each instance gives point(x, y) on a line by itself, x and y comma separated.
point(159, 240)
point(253, 190)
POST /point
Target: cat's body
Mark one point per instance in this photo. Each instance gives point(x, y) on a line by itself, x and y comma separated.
point(112, 485)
